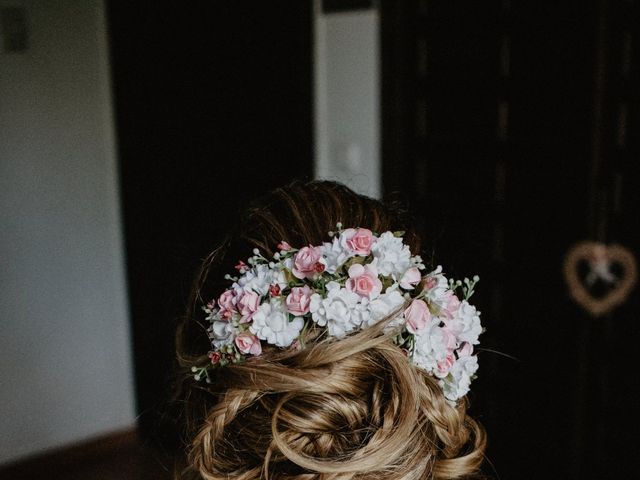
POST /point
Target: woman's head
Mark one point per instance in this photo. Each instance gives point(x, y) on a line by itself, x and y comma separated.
point(354, 408)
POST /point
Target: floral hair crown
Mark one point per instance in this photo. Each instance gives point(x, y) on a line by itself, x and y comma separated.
point(344, 285)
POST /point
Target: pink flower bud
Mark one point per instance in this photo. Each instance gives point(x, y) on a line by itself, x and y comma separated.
point(284, 246)
point(274, 290)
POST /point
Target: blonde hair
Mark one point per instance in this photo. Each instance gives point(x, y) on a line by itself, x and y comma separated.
point(354, 408)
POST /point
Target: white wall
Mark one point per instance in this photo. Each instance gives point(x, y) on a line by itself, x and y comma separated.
point(65, 362)
point(347, 105)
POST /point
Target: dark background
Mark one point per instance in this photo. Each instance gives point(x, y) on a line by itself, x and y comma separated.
point(213, 106)
point(503, 132)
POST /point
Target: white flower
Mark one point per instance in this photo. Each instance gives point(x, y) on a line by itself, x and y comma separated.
point(259, 278)
point(456, 384)
point(431, 347)
point(392, 257)
point(271, 323)
point(361, 314)
point(222, 333)
point(334, 255)
point(287, 263)
point(279, 278)
point(410, 278)
point(436, 286)
point(339, 311)
point(465, 324)
point(385, 305)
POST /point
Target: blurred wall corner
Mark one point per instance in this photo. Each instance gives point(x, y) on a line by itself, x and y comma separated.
point(65, 360)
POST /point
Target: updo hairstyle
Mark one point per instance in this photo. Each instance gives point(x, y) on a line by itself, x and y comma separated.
point(354, 408)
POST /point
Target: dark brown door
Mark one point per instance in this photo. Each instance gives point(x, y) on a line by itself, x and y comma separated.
point(512, 128)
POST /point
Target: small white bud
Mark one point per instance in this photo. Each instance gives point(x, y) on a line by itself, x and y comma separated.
point(476, 278)
point(276, 256)
point(197, 377)
point(339, 225)
point(256, 251)
point(194, 369)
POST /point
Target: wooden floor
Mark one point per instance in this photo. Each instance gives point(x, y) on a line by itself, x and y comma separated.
point(120, 456)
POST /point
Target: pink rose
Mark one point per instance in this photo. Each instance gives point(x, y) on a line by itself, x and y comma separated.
point(248, 304)
point(466, 350)
point(227, 303)
point(448, 312)
point(298, 300)
point(284, 246)
point(214, 357)
point(248, 343)
point(359, 240)
point(417, 316)
point(429, 283)
point(443, 366)
point(450, 339)
point(228, 300)
point(364, 280)
point(410, 278)
point(450, 306)
point(306, 263)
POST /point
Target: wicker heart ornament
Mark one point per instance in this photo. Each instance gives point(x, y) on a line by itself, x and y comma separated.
point(600, 258)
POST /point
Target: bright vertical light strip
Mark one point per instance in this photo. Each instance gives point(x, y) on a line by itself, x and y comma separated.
point(321, 136)
point(347, 98)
